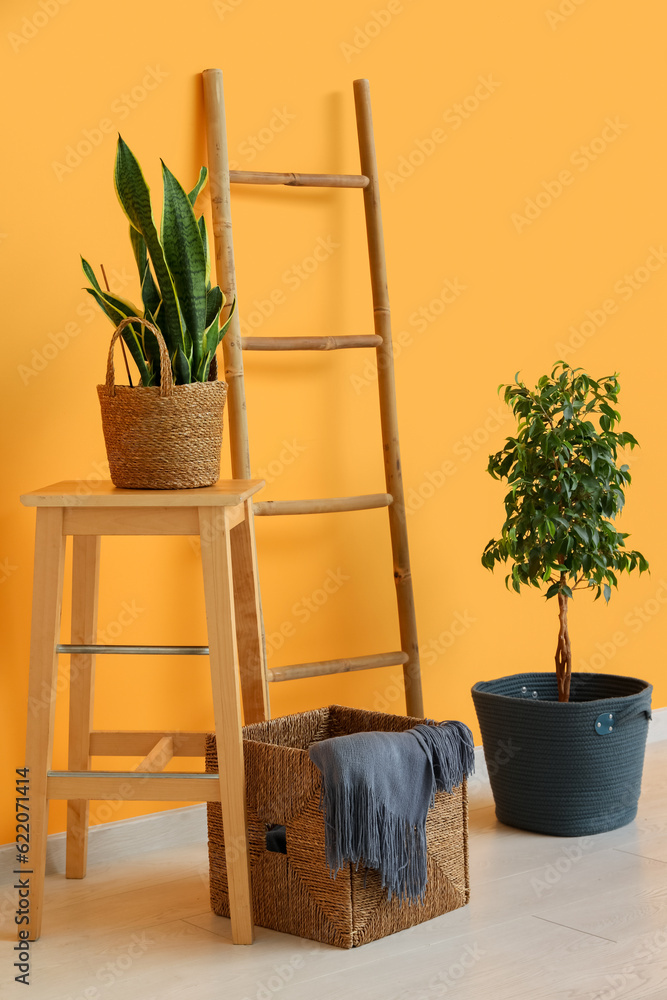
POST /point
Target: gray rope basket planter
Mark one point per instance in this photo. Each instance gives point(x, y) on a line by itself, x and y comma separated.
point(568, 769)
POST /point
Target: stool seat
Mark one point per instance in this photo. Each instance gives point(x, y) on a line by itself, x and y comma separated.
point(86, 493)
point(222, 517)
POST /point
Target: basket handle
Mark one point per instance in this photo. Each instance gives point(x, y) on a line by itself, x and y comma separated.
point(166, 377)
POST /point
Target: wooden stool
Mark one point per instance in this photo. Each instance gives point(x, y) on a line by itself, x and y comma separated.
point(222, 516)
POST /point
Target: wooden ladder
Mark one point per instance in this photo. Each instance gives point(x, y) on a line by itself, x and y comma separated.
point(234, 345)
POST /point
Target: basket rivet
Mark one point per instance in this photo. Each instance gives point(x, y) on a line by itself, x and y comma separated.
point(603, 724)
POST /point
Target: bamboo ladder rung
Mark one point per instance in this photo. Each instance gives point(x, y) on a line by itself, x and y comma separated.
point(298, 180)
point(343, 666)
point(308, 343)
point(329, 505)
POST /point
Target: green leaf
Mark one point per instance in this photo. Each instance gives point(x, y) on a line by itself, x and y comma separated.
point(151, 299)
point(192, 196)
point(184, 254)
point(224, 326)
point(90, 274)
point(134, 196)
point(214, 303)
point(149, 292)
point(118, 309)
point(204, 239)
point(182, 367)
point(581, 533)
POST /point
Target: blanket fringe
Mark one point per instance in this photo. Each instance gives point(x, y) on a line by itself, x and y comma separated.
point(365, 833)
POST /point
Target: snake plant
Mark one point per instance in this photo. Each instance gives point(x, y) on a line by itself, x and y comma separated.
point(174, 272)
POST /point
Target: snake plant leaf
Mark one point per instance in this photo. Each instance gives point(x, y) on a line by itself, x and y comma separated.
point(206, 367)
point(184, 254)
point(151, 298)
point(212, 339)
point(207, 257)
point(134, 197)
point(141, 342)
point(215, 300)
point(90, 274)
point(182, 367)
point(201, 374)
point(149, 292)
point(151, 347)
point(225, 325)
point(107, 299)
point(117, 310)
point(203, 177)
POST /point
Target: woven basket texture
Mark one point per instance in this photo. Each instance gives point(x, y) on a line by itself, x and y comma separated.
point(294, 892)
point(161, 437)
point(550, 770)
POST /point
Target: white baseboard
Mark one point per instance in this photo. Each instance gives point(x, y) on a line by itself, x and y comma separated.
point(122, 838)
point(187, 825)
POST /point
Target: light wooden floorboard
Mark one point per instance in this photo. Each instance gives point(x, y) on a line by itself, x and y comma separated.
point(549, 919)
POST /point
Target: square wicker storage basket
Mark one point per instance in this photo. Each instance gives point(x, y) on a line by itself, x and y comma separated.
point(293, 892)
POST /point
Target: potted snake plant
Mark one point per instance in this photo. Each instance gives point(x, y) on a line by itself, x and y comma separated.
point(577, 739)
point(165, 432)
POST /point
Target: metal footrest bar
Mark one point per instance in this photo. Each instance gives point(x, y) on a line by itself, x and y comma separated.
point(64, 647)
point(134, 775)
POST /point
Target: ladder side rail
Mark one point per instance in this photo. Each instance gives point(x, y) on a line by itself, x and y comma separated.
point(218, 165)
point(387, 395)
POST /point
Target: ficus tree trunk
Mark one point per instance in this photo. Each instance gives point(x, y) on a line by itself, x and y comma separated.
point(563, 649)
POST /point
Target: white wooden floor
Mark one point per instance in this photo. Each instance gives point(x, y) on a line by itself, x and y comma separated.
point(549, 918)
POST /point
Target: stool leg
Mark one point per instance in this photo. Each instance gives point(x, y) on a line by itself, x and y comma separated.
point(46, 612)
point(218, 591)
point(248, 611)
point(85, 586)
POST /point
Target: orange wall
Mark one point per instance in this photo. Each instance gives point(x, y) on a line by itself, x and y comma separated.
point(547, 85)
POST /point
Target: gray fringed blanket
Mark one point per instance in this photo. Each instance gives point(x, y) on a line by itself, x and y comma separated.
point(377, 789)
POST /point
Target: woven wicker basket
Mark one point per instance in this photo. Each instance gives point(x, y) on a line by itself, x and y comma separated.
point(165, 437)
point(294, 892)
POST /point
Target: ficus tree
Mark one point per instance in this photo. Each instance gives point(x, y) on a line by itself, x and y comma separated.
point(566, 487)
